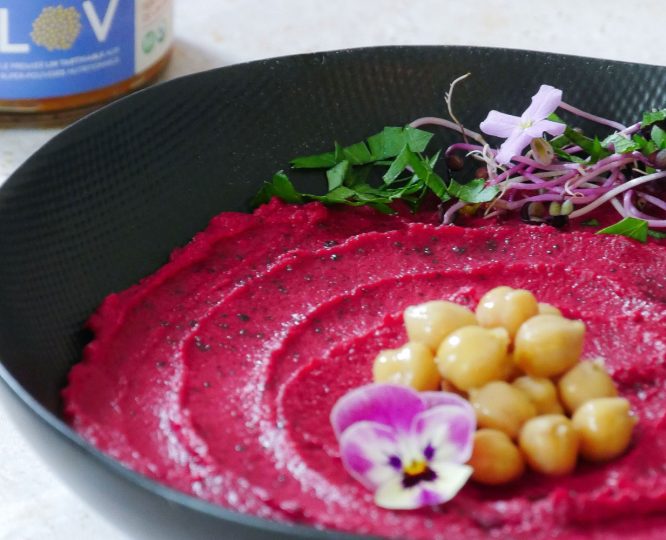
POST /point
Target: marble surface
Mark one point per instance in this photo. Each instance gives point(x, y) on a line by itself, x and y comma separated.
point(34, 504)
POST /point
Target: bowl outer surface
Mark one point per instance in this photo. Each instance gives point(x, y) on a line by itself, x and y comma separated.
point(104, 203)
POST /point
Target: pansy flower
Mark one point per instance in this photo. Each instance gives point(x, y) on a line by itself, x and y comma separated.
point(519, 131)
point(409, 448)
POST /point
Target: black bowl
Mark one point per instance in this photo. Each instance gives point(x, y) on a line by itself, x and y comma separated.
point(104, 203)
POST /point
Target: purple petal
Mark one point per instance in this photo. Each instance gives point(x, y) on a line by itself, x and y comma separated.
point(434, 399)
point(553, 128)
point(544, 102)
point(448, 430)
point(367, 450)
point(389, 404)
point(499, 124)
point(513, 146)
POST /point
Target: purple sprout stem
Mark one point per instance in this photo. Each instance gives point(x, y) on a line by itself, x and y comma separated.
point(515, 169)
point(556, 167)
point(447, 218)
point(593, 117)
point(598, 169)
point(631, 129)
point(443, 122)
point(537, 183)
point(609, 195)
point(629, 207)
point(465, 147)
point(656, 201)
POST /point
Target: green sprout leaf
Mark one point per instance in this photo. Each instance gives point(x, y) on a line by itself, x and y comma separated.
point(658, 135)
point(651, 117)
point(620, 143)
point(630, 227)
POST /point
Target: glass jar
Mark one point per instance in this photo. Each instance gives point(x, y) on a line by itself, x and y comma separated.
point(60, 55)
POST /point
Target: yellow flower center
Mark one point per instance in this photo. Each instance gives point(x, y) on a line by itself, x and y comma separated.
point(415, 468)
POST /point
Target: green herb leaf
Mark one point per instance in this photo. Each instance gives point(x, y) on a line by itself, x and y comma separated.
point(474, 191)
point(280, 186)
point(630, 227)
point(336, 175)
point(424, 172)
point(417, 139)
point(645, 146)
point(382, 146)
point(397, 166)
point(357, 154)
point(555, 118)
point(319, 161)
point(591, 223)
point(656, 234)
point(592, 146)
point(650, 117)
point(658, 135)
point(567, 157)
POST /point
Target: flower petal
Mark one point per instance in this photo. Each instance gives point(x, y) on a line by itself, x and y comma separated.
point(553, 128)
point(513, 146)
point(366, 449)
point(394, 496)
point(450, 479)
point(393, 405)
point(544, 102)
point(499, 124)
point(434, 399)
point(446, 432)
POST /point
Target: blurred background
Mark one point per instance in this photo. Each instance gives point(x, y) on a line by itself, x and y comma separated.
point(34, 504)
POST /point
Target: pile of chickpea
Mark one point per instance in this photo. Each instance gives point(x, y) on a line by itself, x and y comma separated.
point(518, 363)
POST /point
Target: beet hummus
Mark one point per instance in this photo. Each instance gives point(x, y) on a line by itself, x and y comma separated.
point(217, 374)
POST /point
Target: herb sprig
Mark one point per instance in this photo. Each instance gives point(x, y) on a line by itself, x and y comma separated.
point(408, 174)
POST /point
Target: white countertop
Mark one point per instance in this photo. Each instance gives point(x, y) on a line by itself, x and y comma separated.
point(34, 504)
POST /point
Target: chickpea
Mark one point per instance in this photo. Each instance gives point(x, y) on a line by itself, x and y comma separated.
point(541, 392)
point(412, 364)
point(548, 309)
point(447, 386)
point(548, 345)
point(604, 427)
point(472, 356)
point(550, 444)
point(495, 458)
point(431, 322)
point(513, 371)
point(583, 382)
point(498, 405)
point(507, 308)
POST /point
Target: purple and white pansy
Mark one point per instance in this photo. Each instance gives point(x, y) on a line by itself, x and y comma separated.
point(408, 447)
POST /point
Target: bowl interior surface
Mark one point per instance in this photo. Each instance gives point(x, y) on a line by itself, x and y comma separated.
point(105, 202)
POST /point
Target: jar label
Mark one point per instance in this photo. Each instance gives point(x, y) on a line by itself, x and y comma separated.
point(65, 47)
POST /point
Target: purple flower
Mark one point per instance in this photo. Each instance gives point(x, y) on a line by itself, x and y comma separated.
point(409, 448)
point(519, 131)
